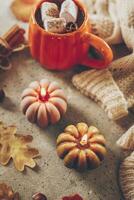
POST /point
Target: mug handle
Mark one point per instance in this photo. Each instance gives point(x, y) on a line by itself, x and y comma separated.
point(101, 47)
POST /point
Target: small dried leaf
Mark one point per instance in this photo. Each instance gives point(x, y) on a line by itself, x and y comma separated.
point(14, 146)
point(6, 193)
point(22, 9)
point(75, 197)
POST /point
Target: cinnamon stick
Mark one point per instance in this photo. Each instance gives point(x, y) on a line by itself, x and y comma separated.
point(14, 36)
point(9, 42)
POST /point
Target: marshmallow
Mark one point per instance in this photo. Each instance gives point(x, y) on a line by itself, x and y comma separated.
point(55, 25)
point(69, 11)
point(49, 10)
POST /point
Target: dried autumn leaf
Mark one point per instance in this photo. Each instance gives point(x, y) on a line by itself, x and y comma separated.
point(14, 146)
point(22, 9)
point(75, 197)
point(6, 193)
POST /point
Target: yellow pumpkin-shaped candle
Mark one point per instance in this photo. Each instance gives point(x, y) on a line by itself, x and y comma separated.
point(81, 147)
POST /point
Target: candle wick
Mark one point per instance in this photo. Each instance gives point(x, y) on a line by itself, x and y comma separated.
point(43, 92)
point(43, 95)
point(84, 140)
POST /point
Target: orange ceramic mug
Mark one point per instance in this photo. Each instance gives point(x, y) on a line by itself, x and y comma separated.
point(63, 51)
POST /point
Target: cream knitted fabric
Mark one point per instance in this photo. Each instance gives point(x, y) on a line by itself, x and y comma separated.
point(100, 86)
point(123, 73)
point(126, 177)
point(104, 20)
point(123, 78)
point(126, 141)
point(121, 69)
point(126, 18)
point(126, 172)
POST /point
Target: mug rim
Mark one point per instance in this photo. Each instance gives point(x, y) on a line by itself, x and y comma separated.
point(79, 4)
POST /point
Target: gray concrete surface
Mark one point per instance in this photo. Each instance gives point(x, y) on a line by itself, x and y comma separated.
point(51, 176)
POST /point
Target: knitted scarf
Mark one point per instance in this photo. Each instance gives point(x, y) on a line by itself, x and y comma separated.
point(112, 88)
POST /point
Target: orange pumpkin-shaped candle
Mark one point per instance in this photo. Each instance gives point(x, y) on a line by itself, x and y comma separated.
point(43, 102)
point(81, 147)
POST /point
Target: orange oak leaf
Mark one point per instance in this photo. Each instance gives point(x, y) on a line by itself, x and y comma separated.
point(14, 146)
point(7, 193)
point(22, 9)
point(74, 197)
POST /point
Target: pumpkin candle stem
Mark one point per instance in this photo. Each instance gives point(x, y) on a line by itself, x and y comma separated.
point(84, 140)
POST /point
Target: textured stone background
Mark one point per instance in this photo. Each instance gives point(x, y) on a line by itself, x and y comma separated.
point(50, 176)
